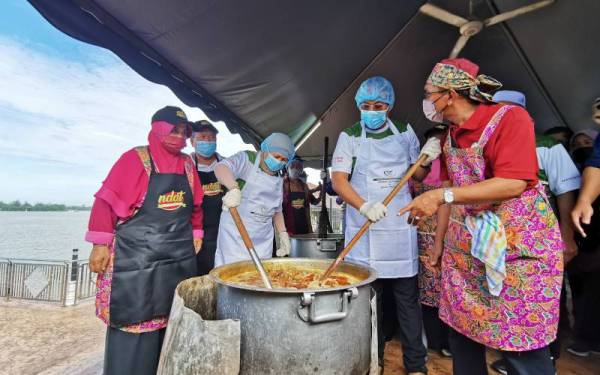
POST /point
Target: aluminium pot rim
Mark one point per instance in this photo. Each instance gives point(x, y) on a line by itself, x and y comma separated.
point(315, 236)
point(214, 274)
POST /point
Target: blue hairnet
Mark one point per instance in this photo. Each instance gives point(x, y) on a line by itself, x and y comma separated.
point(375, 88)
point(278, 142)
point(514, 97)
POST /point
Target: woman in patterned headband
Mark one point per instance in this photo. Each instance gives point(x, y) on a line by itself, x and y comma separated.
point(502, 256)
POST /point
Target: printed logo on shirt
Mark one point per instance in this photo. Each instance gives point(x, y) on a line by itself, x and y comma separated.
point(338, 159)
point(214, 188)
point(298, 203)
point(387, 172)
point(171, 201)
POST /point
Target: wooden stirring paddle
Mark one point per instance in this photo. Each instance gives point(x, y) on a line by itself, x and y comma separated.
point(248, 242)
point(366, 225)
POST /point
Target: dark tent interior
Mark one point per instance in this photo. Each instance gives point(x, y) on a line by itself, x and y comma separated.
point(294, 66)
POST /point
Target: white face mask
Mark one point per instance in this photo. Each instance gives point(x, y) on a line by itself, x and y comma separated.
point(431, 113)
point(294, 172)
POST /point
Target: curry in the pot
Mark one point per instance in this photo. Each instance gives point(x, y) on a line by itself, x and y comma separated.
point(294, 277)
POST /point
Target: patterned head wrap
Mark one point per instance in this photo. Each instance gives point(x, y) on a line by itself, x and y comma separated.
point(461, 75)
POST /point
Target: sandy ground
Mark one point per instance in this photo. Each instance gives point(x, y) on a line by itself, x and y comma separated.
point(41, 338)
point(51, 340)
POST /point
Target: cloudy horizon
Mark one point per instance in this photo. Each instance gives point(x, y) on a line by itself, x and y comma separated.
point(69, 110)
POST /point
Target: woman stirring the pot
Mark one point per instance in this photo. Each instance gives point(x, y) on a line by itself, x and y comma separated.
point(254, 184)
point(502, 262)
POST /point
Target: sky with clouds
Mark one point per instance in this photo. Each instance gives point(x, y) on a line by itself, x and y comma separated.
point(68, 110)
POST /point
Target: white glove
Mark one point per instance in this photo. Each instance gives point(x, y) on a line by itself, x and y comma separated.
point(432, 149)
point(232, 198)
point(374, 211)
point(284, 245)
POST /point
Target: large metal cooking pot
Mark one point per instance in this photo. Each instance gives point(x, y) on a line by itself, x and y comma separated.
point(299, 331)
point(312, 246)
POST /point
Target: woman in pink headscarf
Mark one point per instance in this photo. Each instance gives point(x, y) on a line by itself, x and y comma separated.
point(146, 227)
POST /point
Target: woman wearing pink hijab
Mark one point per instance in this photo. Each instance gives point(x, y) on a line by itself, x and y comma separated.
point(146, 227)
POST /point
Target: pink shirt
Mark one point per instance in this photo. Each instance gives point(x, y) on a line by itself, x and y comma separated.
point(104, 216)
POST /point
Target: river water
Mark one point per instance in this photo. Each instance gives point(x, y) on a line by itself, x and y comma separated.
point(43, 235)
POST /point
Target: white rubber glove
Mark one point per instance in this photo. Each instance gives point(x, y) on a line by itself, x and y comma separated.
point(432, 149)
point(284, 245)
point(232, 198)
point(374, 211)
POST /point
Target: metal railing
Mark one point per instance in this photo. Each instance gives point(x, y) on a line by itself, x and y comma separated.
point(86, 281)
point(4, 277)
point(46, 280)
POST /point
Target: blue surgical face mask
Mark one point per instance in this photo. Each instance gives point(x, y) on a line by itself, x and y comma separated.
point(373, 119)
point(273, 164)
point(206, 149)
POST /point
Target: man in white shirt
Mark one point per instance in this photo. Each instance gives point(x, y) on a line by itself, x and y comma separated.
point(369, 159)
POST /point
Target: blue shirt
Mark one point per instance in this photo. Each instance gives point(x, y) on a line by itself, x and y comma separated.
point(594, 160)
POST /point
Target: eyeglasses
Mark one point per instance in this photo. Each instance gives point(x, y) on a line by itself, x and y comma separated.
point(427, 94)
point(377, 106)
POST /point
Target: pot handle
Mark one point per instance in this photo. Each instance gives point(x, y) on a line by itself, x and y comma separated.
point(327, 246)
point(307, 311)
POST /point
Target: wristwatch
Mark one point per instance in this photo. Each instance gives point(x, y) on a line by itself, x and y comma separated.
point(448, 196)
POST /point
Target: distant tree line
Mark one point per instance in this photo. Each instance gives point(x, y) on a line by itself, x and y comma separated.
point(26, 206)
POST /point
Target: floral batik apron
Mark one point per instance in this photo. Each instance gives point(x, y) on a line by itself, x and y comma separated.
point(525, 314)
point(429, 276)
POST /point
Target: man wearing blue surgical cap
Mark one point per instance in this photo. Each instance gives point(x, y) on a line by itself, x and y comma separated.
point(254, 183)
point(370, 158)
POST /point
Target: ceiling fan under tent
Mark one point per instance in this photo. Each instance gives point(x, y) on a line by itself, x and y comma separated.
point(472, 25)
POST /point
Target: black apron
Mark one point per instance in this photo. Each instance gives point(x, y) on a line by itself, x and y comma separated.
point(154, 251)
point(211, 206)
point(298, 210)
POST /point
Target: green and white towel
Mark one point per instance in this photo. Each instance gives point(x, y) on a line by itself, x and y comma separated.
point(488, 244)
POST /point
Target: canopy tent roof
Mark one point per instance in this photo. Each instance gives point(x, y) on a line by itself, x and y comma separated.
point(294, 66)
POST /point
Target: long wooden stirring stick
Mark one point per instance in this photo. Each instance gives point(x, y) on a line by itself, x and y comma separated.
point(248, 242)
point(366, 225)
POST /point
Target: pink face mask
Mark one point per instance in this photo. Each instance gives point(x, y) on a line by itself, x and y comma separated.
point(173, 143)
